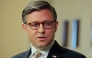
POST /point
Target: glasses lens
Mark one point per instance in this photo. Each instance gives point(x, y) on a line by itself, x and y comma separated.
point(48, 24)
point(34, 25)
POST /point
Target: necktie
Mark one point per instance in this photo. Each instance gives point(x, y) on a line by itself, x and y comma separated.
point(37, 54)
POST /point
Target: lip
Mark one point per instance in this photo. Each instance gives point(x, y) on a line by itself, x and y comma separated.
point(41, 38)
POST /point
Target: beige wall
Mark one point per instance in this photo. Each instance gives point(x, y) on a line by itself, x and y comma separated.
point(13, 39)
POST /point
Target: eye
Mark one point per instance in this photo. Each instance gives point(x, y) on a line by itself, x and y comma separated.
point(34, 24)
point(47, 23)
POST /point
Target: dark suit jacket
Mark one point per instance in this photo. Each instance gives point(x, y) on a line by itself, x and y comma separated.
point(57, 51)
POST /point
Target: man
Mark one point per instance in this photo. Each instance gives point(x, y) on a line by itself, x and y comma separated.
point(40, 23)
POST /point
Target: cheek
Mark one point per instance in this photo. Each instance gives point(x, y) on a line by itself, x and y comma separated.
point(51, 33)
point(31, 34)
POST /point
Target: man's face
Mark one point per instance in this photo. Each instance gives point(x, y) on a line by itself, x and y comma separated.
point(41, 37)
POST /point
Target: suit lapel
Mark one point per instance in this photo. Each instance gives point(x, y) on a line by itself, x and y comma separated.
point(52, 55)
point(55, 51)
point(27, 53)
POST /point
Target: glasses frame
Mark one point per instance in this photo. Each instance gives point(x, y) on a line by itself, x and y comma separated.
point(52, 22)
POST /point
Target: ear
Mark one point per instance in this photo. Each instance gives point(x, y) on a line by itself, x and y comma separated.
point(56, 25)
point(24, 27)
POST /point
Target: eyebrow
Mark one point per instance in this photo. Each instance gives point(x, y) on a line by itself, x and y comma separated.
point(41, 22)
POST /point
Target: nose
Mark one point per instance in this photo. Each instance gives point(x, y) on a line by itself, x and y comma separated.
point(41, 29)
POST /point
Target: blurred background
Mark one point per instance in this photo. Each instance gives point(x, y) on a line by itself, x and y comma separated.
point(13, 39)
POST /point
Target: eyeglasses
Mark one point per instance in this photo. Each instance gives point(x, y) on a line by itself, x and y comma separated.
point(46, 25)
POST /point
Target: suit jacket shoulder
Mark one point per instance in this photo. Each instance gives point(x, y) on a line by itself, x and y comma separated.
point(61, 52)
point(23, 54)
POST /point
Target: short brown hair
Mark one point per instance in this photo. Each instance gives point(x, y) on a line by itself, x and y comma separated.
point(36, 6)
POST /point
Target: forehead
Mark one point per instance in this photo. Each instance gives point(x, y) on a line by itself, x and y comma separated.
point(42, 15)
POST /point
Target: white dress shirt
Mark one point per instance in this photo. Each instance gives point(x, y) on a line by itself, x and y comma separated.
point(43, 52)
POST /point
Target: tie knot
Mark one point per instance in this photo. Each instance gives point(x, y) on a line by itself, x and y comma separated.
point(37, 54)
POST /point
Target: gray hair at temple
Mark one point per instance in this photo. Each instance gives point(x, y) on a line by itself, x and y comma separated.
point(37, 6)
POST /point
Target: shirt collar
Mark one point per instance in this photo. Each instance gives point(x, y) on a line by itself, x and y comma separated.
point(33, 49)
point(45, 51)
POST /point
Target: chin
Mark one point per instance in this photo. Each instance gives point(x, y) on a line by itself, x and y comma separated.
point(42, 46)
